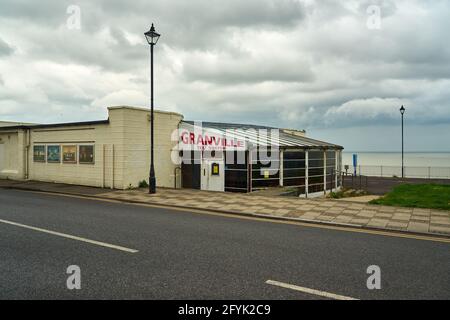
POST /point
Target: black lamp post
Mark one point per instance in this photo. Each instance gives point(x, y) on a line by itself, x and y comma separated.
point(402, 111)
point(152, 38)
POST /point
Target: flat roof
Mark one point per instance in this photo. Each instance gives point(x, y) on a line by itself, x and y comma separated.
point(4, 123)
point(55, 125)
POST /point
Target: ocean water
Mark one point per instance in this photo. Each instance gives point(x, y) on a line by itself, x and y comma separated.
point(412, 159)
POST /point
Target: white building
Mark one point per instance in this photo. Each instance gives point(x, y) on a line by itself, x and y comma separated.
point(115, 153)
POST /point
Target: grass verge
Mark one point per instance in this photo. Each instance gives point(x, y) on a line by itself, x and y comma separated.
point(432, 196)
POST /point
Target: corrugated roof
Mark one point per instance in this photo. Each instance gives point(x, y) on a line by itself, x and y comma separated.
point(253, 135)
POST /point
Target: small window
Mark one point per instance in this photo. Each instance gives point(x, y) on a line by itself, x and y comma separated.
point(87, 154)
point(69, 154)
point(53, 154)
point(39, 153)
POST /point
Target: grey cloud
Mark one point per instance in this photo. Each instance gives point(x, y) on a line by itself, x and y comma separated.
point(45, 12)
point(197, 13)
point(73, 46)
point(5, 49)
point(182, 24)
point(248, 71)
point(408, 45)
point(188, 17)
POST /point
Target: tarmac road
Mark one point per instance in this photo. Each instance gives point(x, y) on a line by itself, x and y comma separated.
point(127, 251)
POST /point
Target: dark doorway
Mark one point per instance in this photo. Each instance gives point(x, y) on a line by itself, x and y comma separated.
point(190, 171)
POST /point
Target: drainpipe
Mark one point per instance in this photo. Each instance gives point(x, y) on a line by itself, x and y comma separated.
point(281, 168)
point(306, 173)
point(324, 171)
point(180, 162)
point(27, 153)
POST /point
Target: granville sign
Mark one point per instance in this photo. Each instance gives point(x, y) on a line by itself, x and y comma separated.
point(209, 141)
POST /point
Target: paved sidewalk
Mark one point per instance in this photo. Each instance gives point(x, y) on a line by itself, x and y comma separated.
point(425, 221)
point(360, 199)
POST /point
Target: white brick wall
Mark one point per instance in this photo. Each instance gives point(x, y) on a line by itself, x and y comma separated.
point(127, 135)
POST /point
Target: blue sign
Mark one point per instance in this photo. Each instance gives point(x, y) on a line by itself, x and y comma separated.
point(355, 162)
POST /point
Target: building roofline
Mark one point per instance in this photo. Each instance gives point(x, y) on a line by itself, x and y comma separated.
point(55, 125)
point(228, 124)
point(17, 123)
point(145, 109)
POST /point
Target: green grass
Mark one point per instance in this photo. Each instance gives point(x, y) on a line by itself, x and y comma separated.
point(433, 196)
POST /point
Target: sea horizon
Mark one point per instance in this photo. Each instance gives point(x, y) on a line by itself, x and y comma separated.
point(394, 158)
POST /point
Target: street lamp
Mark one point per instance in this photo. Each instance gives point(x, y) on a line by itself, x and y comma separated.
point(152, 38)
point(402, 111)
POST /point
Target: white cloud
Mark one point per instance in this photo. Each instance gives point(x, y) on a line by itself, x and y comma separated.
point(363, 110)
point(122, 98)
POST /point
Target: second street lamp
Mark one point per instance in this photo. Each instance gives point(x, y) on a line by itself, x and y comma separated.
point(152, 38)
point(402, 111)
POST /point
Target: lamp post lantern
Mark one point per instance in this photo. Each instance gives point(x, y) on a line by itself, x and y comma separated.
point(152, 38)
point(402, 111)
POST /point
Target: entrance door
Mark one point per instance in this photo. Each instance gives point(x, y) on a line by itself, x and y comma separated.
point(190, 176)
point(191, 170)
point(213, 175)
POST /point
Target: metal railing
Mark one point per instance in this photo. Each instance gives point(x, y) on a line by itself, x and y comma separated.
point(396, 171)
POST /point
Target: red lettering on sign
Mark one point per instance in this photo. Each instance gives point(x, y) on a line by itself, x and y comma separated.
point(185, 138)
point(208, 140)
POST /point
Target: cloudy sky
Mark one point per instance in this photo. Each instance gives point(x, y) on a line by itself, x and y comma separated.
point(330, 67)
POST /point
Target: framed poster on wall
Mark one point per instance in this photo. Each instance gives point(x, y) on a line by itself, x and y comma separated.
point(39, 153)
point(54, 154)
point(87, 154)
point(69, 154)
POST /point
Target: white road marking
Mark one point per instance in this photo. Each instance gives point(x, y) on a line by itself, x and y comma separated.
point(68, 236)
point(310, 291)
